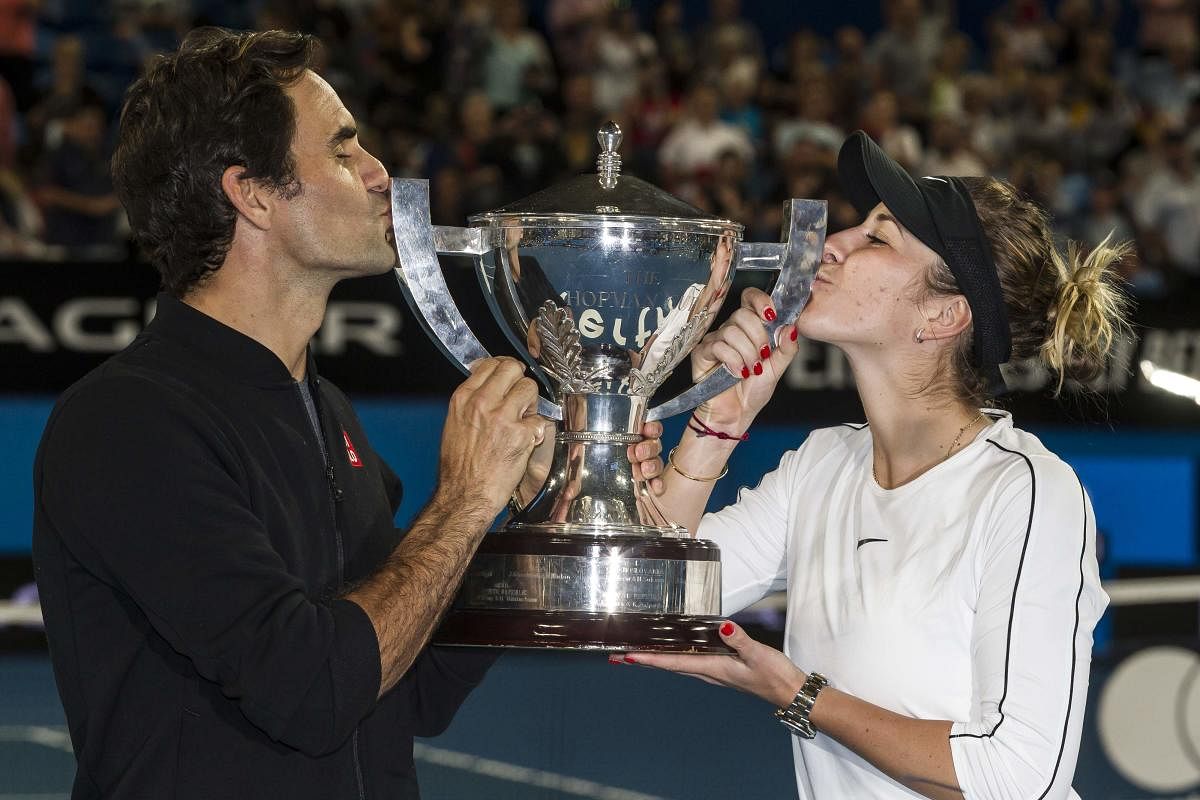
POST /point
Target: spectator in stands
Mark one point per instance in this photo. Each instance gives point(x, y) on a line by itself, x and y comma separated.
point(990, 133)
point(852, 78)
point(949, 152)
point(68, 86)
point(1160, 20)
point(408, 67)
point(728, 192)
point(1107, 112)
point(531, 156)
point(1029, 33)
point(579, 123)
point(698, 139)
point(572, 26)
point(739, 106)
point(1044, 124)
point(75, 189)
point(21, 222)
point(517, 67)
point(474, 157)
point(1169, 82)
point(466, 45)
point(1108, 220)
point(17, 42)
point(675, 46)
point(903, 53)
point(881, 120)
point(727, 37)
point(949, 70)
point(1169, 202)
point(621, 50)
point(805, 56)
point(812, 120)
point(651, 114)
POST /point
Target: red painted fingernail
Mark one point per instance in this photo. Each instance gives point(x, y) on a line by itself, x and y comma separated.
point(766, 351)
point(769, 315)
point(795, 333)
point(727, 629)
point(758, 368)
point(630, 660)
point(745, 372)
point(615, 660)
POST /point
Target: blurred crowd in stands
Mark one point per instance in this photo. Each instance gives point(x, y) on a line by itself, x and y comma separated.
point(1096, 118)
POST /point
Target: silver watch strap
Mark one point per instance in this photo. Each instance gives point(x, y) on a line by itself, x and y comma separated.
point(794, 716)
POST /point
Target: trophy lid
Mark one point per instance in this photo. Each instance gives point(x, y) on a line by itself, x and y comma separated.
point(606, 198)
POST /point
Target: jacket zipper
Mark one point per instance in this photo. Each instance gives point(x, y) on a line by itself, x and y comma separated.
point(335, 497)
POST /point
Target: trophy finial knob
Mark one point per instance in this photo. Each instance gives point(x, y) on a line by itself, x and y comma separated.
point(608, 165)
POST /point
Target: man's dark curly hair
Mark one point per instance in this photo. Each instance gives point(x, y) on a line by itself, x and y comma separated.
point(218, 102)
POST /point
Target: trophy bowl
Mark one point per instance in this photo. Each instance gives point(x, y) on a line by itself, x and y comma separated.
point(603, 284)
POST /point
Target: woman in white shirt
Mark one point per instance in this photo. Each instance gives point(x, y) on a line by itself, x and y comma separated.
point(940, 563)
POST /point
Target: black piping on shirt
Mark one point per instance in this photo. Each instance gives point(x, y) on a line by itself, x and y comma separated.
point(1074, 647)
point(1012, 614)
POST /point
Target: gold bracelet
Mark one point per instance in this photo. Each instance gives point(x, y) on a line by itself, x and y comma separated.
point(671, 463)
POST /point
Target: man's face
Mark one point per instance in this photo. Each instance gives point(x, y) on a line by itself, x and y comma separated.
point(340, 223)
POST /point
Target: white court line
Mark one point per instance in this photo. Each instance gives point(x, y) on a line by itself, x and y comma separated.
point(57, 738)
point(1121, 592)
point(20, 614)
point(502, 770)
point(1138, 591)
point(52, 736)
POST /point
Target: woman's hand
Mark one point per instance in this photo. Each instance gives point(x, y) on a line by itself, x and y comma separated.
point(915, 752)
point(744, 348)
point(756, 668)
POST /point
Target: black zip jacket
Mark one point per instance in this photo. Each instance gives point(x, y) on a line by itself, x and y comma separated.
point(190, 548)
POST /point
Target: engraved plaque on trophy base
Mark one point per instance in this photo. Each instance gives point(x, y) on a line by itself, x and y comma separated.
point(589, 592)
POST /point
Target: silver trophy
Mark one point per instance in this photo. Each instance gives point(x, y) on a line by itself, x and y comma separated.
point(603, 284)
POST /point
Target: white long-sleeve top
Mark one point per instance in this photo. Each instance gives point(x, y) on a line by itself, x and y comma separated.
point(969, 594)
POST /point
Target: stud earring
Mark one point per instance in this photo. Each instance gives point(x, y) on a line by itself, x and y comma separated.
point(920, 336)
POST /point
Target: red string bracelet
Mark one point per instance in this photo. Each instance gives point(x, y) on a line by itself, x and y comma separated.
point(702, 430)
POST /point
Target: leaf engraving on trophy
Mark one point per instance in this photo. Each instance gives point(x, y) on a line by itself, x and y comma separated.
point(561, 354)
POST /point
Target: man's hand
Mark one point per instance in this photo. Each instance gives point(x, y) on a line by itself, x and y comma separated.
point(646, 457)
point(491, 430)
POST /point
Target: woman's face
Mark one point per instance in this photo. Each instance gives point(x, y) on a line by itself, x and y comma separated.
point(867, 289)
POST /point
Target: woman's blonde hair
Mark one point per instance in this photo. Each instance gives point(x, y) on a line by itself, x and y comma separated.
point(1065, 310)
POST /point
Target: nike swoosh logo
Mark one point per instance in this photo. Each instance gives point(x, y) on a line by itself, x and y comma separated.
point(931, 178)
point(861, 542)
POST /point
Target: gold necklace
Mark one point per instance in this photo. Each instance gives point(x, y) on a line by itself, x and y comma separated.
point(949, 450)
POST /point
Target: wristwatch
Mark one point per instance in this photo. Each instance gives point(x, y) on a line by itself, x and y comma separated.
point(795, 715)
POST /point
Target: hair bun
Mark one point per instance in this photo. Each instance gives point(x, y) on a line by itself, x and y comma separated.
point(1089, 312)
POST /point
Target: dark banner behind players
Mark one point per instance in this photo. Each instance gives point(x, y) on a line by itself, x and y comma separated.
point(57, 321)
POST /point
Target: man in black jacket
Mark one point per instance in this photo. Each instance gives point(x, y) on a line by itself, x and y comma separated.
point(230, 609)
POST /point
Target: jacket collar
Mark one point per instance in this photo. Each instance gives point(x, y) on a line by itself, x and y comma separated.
point(224, 348)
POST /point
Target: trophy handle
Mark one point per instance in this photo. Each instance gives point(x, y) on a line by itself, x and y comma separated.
point(796, 258)
point(417, 244)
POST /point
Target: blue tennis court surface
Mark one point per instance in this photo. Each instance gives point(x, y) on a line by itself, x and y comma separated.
point(543, 726)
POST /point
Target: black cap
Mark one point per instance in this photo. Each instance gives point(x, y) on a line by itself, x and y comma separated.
point(938, 211)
